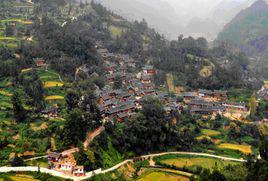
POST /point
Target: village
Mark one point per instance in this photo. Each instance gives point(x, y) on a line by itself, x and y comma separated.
point(117, 105)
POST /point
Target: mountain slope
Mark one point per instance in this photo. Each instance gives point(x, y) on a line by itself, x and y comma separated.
point(248, 27)
point(159, 14)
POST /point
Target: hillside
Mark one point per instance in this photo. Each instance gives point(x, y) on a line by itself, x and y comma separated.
point(248, 29)
point(83, 74)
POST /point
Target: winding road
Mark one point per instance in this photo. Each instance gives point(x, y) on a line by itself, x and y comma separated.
point(100, 171)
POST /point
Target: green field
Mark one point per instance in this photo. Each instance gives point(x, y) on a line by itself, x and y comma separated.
point(181, 161)
point(209, 132)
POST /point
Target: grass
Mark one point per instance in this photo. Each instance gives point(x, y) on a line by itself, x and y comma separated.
point(162, 176)
point(50, 84)
point(3, 38)
point(246, 149)
point(42, 162)
point(209, 132)
point(55, 97)
point(188, 161)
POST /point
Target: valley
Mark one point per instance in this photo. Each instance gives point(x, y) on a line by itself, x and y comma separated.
point(88, 95)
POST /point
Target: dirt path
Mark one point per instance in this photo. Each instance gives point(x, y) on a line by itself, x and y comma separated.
point(92, 135)
point(52, 142)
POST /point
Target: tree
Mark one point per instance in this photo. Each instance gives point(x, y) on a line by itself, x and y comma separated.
point(72, 100)
point(18, 110)
point(264, 149)
point(74, 128)
point(33, 87)
point(17, 161)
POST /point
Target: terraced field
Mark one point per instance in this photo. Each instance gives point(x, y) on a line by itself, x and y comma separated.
point(209, 132)
point(204, 162)
point(246, 149)
point(163, 176)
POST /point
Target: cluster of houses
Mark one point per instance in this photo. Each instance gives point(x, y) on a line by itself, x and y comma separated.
point(118, 104)
point(137, 86)
point(207, 102)
point(65, 162)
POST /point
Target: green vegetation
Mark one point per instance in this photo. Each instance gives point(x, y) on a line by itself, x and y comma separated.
point(193, 162)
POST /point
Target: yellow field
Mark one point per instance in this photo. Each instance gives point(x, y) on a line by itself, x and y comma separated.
point(243, 148)
point(53, 84)
point(55, 97)
point(19, 177)
point(162, 176)
point(208, 163)
point(209, 132)
point(26, 70)
point(170, 82)
point(5, 93)
point(199, 138)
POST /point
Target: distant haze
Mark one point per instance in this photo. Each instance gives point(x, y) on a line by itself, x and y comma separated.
point(174, 17)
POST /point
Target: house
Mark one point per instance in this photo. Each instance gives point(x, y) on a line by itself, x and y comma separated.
point(232, 106)
point(148, 70)
point(122, 116)
point(39, 62)
point(218, 94)
point(221, 95)
point(201, 103)
point(213, 110)
point(78, 171)
point(146, 79)
point(188, 96)
point(149, 92)
point(148, 86)
point(54, 157)
point(131, 90)
point(104, 98)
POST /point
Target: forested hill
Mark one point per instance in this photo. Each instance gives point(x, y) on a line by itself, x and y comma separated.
point(249, 29)
point(65, 34)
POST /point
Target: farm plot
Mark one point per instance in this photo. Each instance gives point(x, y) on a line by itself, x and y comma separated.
point(163, 176)
point(246, 149)
point(54, 97)
point(209, 132)
point(50, 84)
point(187, 161)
